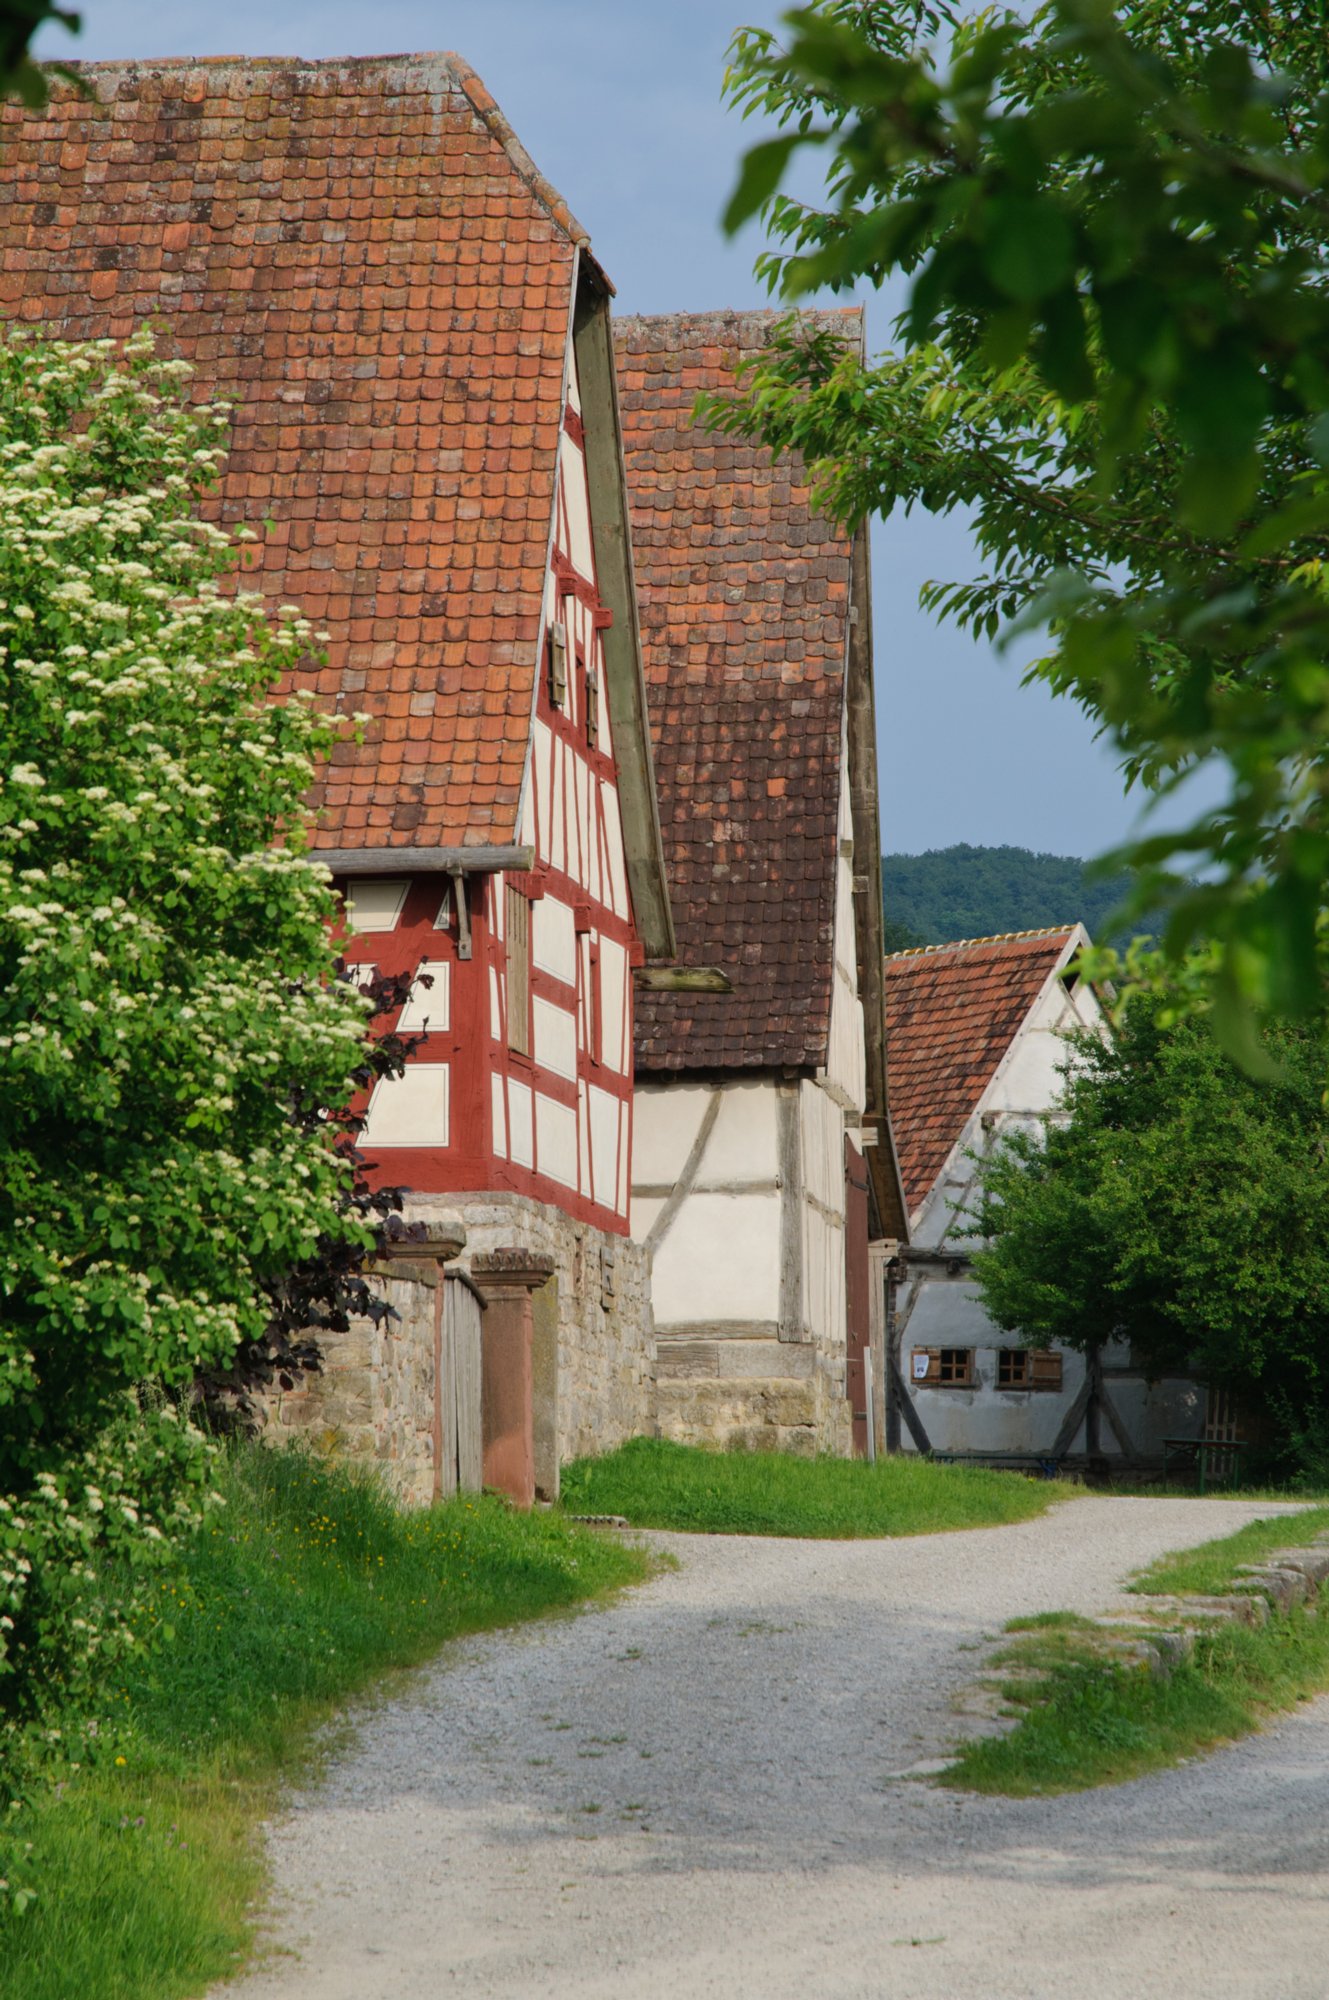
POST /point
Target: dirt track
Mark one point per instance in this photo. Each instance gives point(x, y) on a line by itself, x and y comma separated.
point(702, 1791)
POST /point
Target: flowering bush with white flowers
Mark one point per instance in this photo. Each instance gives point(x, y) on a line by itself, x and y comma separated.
point(168, 1014)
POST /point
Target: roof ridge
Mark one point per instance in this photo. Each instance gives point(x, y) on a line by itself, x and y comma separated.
point(996, 937)
point(751, 312)
point(471, 85)
point(729, 315)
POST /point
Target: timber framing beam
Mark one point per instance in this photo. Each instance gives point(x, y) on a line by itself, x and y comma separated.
point(625, 679)
point(861, 736)
point(682, 979)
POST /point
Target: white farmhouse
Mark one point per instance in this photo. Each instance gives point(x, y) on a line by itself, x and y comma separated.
point(977, 1033)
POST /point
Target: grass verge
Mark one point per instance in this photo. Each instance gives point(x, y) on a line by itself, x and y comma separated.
point(1087, 1719)
point(656, 1484)
point(303, 1594)
point(1209, 1570)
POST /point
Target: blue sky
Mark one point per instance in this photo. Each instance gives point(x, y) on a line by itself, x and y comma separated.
point(618, 101)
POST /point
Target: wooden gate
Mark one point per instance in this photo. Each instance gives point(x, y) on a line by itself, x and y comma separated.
point(1224, 1441)
point(457, 1441)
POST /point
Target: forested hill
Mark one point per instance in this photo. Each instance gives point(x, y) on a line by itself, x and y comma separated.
point(963, 892)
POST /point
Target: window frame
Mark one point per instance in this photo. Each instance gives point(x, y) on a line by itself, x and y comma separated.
point(955, 1367)
point(1041, 1372)
point(942, 1373)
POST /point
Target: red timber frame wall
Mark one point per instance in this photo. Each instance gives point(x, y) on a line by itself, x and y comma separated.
point(523, 1080)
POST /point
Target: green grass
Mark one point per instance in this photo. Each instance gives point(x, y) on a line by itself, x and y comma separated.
point(1087, 1719)
point(308, 1591)
point(1209, 1570)
point(1050, 1621)
point(657, 1484)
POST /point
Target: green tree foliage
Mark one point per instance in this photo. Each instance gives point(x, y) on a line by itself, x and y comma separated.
point(896, 936)
point(964, 892)
point(20, 76)
point(169, 1022)
point(1116, 353)
point(1182, 1206)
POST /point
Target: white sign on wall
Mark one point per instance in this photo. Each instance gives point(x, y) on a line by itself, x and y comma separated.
point(920, 1364)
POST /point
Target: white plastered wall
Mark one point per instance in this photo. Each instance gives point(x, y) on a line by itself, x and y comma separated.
point(708, 1205)
point(739, 1195)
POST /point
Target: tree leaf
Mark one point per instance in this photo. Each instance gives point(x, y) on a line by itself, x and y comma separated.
point(1027, 245)
point(760, 175)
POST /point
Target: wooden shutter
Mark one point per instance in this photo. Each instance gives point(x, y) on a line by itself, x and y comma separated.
point(1045, 1368)
point(931, 1376)
point(519, 972)
point(595, 1003)
point(558, 663)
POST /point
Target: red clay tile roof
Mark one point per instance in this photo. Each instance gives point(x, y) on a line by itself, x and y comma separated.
point(952, 1011)
point(744, 598)
point(361, 257)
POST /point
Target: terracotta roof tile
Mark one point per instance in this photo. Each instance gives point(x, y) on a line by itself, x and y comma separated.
point(362, 258)
point(952, 1011)
point(744, 598)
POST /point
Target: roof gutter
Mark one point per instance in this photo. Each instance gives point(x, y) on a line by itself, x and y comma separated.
point(422, 860)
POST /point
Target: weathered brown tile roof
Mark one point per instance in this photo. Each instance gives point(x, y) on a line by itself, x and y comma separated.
point(952, 1011)
point(361, 257)
point(744, 594)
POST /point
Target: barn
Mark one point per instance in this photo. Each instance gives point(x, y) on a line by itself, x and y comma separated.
point(764, 1185)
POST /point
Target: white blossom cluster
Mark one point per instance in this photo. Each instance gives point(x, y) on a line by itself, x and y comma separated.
point(166, 998)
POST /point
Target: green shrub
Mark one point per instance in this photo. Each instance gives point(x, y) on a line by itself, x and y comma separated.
point(1181, 1202)
point(167, 1009)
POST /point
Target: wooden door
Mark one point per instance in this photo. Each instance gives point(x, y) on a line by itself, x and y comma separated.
point(457, 1440)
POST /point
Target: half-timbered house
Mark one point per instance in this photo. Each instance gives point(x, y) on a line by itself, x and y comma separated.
point(415, 337)
point(763, 1163)
point(980, 1033)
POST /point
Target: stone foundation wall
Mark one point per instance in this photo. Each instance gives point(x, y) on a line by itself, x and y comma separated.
point(594, 1351)
point(739, 1196)
point(373, 1400)
point(760, 1395)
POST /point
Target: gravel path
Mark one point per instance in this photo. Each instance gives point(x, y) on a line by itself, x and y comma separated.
point(703, 1790)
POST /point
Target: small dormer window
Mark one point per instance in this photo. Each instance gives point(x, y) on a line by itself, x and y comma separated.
point(558, 663)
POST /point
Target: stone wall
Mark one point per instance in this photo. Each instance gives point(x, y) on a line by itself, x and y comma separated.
point(803, 1412)
point(594, 1346)
point(373, 1400)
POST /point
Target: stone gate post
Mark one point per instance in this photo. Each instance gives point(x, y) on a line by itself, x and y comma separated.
point(507, 1278)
